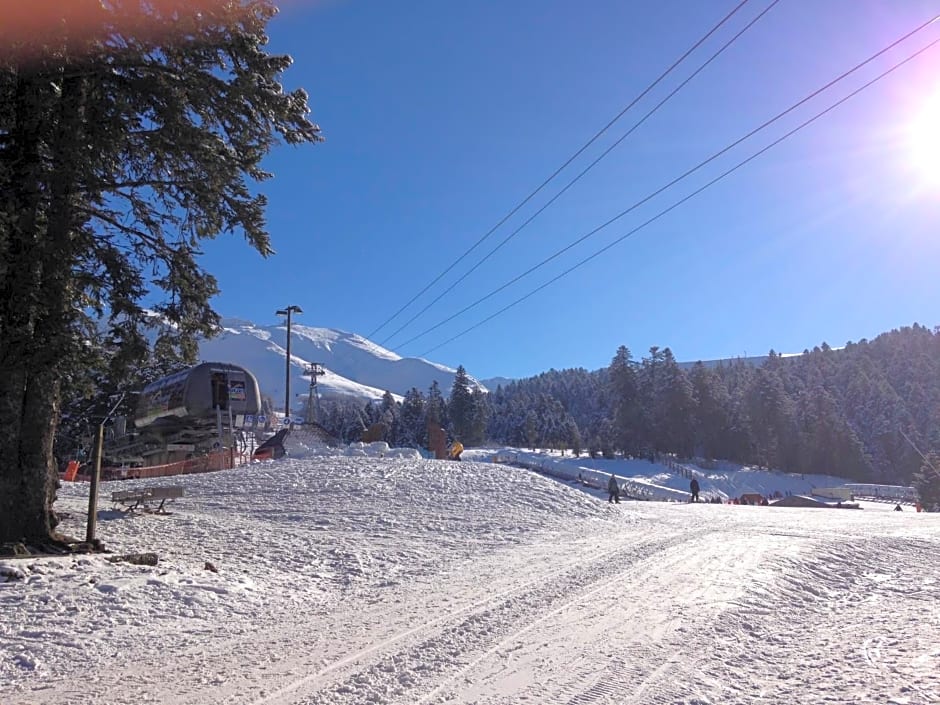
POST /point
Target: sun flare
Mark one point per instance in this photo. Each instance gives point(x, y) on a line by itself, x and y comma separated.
point(924, 140)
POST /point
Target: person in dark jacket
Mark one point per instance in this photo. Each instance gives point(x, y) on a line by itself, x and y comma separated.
point(613, 489)
point(693, 486)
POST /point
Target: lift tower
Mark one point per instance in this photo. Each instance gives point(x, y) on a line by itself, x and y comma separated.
point(314, 369)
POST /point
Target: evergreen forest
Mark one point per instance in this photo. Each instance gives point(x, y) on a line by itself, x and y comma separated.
point(866, 412)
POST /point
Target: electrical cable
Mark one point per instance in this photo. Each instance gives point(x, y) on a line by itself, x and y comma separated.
point(679, 178)
point(691, 195)
point(562, 167)
point(590, 166)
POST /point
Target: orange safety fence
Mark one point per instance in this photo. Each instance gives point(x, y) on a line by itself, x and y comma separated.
point(224, 460)
point(71, 471)
point(204, 463)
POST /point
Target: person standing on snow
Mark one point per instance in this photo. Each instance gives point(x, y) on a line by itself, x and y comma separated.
point(693, 486)
point(613, 489)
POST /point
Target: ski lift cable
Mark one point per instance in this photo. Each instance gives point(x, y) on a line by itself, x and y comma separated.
point(557, 171)
point(676, 180)
point(689, 196)
point(925, 458)
point(584, 171)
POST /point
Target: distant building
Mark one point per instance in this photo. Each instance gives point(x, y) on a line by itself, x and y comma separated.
point(888, 492)
point(843, 493)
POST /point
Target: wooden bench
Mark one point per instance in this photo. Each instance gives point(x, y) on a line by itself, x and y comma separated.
point(145, 496)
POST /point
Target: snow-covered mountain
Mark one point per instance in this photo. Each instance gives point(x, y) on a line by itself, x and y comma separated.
point(492, 383)
point(353, 365)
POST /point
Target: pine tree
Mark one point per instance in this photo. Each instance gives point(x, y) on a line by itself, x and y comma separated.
point(531, 426)
point(331, 418)
point(769, 410)
point(574, 437)
point(461, 407)
point(120, 150)
point(712, 413)
point(479, 419)
point(354, 424)
point(626, 411)
point(652, 400)
point(389, 417)
point(436, 409)
point(676, 408)
point(413, 429)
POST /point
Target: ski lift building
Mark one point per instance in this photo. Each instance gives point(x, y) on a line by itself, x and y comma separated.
point(197, 395)
point(192, 413)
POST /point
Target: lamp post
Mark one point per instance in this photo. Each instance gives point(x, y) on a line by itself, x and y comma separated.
point(92, 522)
point(287, 312)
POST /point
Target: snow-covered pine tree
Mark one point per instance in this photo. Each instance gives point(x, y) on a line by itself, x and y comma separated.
point(390, 417)
point(413, 428)
point(573, 436)
point(354, 424)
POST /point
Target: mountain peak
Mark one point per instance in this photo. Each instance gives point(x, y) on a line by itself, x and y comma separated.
point(354, 365)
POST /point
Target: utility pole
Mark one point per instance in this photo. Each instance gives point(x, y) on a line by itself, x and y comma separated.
point(92, 522)
point(287, 311)
point(314, 369)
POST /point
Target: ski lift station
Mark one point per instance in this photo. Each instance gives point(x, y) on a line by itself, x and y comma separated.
point(198, 394)
point(191, 413)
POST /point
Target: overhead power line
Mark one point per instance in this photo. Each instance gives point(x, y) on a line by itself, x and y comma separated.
point(584, 171)
point(691, 195)
point(675, 181)
point(562, 167)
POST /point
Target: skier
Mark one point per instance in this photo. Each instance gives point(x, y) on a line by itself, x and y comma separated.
point(613, 489)
point(897, 508)
point(694, 487)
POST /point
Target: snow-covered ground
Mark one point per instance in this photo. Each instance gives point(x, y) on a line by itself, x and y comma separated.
point(652, 480)
point(346, 580)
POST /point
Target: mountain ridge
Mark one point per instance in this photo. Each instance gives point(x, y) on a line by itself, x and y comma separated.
point(353, 365)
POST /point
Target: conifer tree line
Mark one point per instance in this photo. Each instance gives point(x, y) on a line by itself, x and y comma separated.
point(843, 412)
point(463, 413)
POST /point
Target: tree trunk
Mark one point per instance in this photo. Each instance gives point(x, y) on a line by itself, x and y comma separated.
point(27, 474)
point(23, 481)
point(35, 313)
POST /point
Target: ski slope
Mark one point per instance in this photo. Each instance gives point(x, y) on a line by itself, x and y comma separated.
point(403, 581)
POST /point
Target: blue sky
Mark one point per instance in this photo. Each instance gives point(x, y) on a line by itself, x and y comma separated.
point(440, 117)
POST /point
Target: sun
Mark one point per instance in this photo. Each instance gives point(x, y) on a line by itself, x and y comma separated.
point(924, 140)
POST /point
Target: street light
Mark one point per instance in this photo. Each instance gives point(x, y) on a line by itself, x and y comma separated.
point(287, 312)
point(92, 522)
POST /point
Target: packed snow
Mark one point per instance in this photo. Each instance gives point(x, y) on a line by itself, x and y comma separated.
point(344, 579)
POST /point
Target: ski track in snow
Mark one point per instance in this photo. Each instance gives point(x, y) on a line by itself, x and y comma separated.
point(348, 581)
